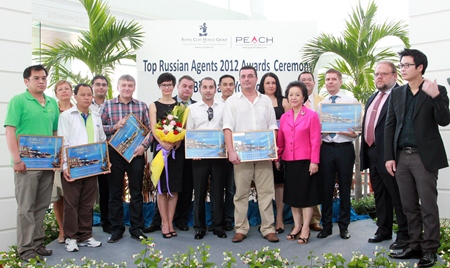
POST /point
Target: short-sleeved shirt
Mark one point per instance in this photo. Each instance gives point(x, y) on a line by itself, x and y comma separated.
point(29, 117)
point(241, 115)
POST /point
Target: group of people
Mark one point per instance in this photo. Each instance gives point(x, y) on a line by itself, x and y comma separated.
point(400, 144)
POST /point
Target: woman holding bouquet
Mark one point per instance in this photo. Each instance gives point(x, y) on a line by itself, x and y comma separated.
point(168, 187)
point(298, 144)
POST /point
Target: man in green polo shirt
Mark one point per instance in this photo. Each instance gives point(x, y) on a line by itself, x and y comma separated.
point(31, 113)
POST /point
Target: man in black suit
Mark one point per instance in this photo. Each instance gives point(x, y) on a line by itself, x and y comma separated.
point(184, 204)
point(387, 196)
point(414, 151)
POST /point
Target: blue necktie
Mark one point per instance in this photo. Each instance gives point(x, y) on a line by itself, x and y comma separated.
point(333, 100)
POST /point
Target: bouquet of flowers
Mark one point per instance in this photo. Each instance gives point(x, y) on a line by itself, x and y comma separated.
point(169, 129)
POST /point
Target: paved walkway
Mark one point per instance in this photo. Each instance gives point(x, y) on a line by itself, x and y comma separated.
point(123, 250)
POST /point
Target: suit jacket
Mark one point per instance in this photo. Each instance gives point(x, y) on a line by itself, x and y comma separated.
point(299, 140)
point(428, 115)
point(192, 101)
point(379, 134)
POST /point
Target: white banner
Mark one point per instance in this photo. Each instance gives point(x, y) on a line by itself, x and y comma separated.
point(214, 48)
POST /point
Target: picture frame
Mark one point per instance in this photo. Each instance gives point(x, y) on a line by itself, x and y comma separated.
point(205, 144)
point(40, 152)
point(339, 117)
point(255, 145)
point(129, 137)
point(88, 160)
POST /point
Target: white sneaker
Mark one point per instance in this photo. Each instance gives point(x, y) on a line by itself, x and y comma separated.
point(71, 245)
point(91, 243)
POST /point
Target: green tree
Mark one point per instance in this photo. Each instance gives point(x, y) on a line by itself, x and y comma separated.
point(356, 49)
point(357, 54)
point(104, 45)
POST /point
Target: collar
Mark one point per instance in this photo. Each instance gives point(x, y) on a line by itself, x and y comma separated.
point(240, 94)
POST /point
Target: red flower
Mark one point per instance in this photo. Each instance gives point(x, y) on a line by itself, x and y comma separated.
point(164, 121)
point(175, 132)
point(179, 124)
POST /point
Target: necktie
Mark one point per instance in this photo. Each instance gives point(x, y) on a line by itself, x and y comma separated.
point(333, 100)
point(370, 135)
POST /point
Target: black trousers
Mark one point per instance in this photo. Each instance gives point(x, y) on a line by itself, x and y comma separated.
point(336, 159)
point(103, 190)
point(387, 198)
point(203, 170)
point(135, 172)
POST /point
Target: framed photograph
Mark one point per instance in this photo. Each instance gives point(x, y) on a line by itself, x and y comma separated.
point(87, 160)
point(205, 144)
point(255, 145)
point(129, 137)
point(41, 152)
point(337, 117)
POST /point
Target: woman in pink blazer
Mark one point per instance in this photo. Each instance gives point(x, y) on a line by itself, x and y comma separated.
point(299, 147)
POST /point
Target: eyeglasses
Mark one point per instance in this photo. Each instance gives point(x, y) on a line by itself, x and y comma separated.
point(166, 85)
point(406, 65)
point(100, 84)
point(210, 113)
point(381, 74)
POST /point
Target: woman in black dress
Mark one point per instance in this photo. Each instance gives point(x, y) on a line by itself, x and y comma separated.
point(270, 86)
point(167, 199)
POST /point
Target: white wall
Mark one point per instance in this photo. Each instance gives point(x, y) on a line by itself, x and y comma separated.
point(429, 33)
point(15, 44)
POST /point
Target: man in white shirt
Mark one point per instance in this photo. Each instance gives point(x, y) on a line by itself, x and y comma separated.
point(337, 157)
point(79, 125)
point(246, 111)
point(207, 114)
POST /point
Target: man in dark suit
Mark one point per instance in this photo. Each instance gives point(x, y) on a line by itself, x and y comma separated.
point(184, 204)
point(414, 151)
point(387, 196)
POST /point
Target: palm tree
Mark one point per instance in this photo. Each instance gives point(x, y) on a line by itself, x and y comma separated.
point(357, 54)
point(104, 45)
point(357, 49)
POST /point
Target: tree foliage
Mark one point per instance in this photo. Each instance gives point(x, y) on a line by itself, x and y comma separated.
point(105, 44)
point(357, 49)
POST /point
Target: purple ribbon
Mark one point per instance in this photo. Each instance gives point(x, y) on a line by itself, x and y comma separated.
point(165, 154)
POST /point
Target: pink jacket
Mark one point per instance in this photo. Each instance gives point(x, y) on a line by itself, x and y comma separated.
point(299, 140)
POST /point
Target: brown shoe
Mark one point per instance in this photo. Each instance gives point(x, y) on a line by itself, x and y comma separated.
point(43, 251)
point(271, 237)
point(238, 237)
point(28, 255)
point(315, 227)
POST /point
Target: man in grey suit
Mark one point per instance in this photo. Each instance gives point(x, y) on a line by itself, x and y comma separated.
point(414, 152)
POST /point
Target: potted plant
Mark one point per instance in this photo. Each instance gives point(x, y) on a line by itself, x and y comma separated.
point(365, 205)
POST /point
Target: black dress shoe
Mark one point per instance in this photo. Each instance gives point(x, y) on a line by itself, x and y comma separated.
point(220, 233)
point(377, 238)
point(138, 235)
point(428, 259)
point(182, 226)
point(407, 253)
point(199, 235)
point(151, 228)
point(345, 234)
point(114, 238)
point(399, 244)
point(324, 233)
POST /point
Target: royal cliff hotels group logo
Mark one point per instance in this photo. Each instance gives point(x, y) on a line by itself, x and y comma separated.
point(204, 38)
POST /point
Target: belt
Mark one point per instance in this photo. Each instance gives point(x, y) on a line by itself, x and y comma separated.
point(409, 150)
point(337, 144)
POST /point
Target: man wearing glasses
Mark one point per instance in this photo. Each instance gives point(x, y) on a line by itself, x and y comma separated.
point(414, 152)
point(387, 196)
point(207, 114)
point(100, 87)
point(246, 111)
